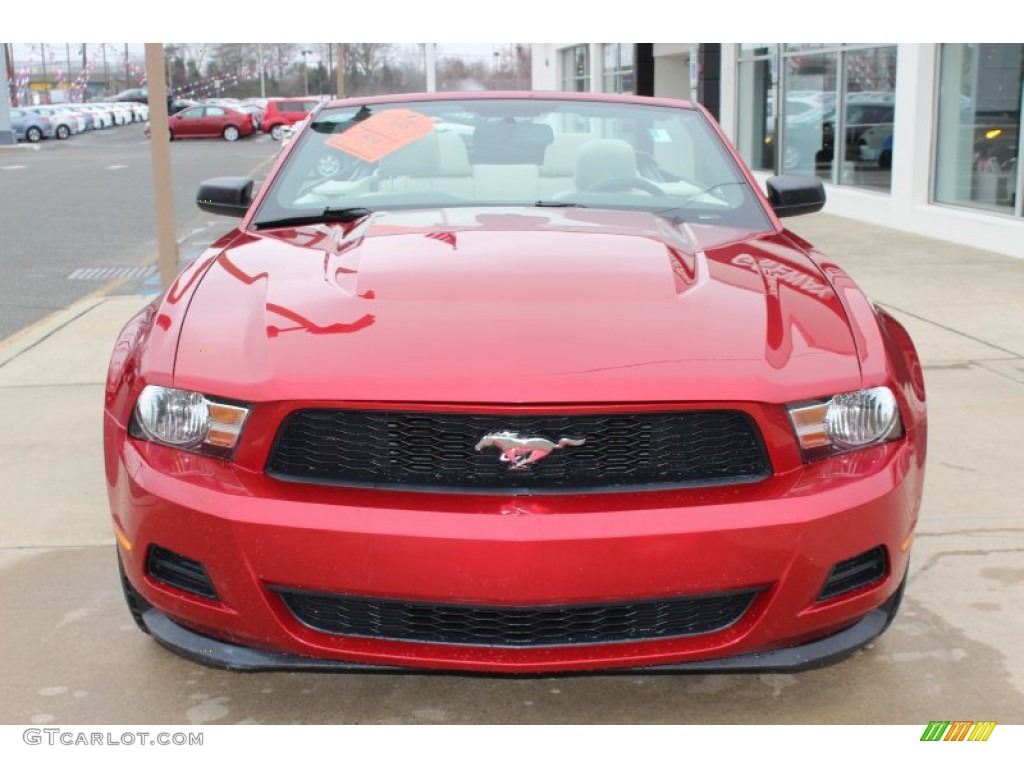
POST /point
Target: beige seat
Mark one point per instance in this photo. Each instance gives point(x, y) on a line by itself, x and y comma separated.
point(413, 168)
point(559, 166)
point(604, 160)
point(495, 183)
point(454, 173)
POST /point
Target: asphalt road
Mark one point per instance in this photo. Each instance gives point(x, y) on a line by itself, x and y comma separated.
point(87, 202)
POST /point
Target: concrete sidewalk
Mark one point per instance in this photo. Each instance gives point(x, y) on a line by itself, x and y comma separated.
point(955, 651)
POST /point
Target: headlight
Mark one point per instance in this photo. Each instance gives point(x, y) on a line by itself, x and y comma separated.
point(187, 420)
point(846, 422)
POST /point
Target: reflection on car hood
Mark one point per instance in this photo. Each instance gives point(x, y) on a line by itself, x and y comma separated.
point(515, 305)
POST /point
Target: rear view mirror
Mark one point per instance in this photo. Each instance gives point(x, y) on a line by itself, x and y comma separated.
point(795, 195)
point(226, 196)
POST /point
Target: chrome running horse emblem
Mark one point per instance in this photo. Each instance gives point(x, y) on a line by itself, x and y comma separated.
point(522, 451)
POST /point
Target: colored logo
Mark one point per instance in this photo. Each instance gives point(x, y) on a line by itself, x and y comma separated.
point(958, 730)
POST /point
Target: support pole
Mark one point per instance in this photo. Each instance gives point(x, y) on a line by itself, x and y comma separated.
point(263, 77)
point(160, 148)
point(46, 79)
point(430, 63)
point(340, 54)
point(6, 131)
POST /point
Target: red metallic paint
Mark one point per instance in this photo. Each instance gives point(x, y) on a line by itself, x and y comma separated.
point(489, 310)
point(253, 533)
point(193, 123)
point(575, 302)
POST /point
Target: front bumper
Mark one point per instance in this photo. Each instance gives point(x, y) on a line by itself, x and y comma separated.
point(811, 655)
point(254, 534)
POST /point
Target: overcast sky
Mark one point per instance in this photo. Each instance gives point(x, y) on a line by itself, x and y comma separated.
point(59, 51)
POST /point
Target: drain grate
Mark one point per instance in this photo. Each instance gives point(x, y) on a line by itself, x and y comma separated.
point(111, 273)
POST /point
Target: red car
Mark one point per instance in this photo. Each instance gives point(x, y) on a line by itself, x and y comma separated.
point(284, 112)
point(513, 383)
point(210, 121)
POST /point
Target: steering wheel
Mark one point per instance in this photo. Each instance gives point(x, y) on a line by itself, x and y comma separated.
point(626, 183)
point(329, 165)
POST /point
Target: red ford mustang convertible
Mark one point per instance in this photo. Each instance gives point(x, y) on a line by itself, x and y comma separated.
point(513, 383)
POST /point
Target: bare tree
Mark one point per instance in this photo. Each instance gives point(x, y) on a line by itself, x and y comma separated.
point(509, 70)
point(512, 67)
point(364, 60)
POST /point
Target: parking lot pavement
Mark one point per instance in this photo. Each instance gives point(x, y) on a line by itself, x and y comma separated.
point(73, 655)
point(78, 219)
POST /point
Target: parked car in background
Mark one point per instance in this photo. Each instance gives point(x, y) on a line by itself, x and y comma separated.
point(549, 401)
point(81, 119)
point(809, 140)
point(257, 101)
point(875, 145)
point(282, 112)
point(208, 121)
point(119, 112)
point(30, 126)
point(93, 120)
point(104, 117)
point(140, 95)
point(65, 123)
point(868, 124)
point(255, 111)
point(140, 111)
point(177, 105)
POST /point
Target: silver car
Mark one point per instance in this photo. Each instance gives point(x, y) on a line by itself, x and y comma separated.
point(65, 123)
point(30, 127)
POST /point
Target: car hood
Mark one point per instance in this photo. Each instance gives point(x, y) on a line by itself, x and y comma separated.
point(515, 306)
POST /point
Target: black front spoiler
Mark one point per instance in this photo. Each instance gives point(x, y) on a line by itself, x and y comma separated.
point(812, 655)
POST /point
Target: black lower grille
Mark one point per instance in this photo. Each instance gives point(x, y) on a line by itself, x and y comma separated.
point(859, 571)
point(439, 451)
point(178, 571)
point(522, 627)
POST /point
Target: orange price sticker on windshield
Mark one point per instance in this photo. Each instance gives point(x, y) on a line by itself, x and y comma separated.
point(381, 134)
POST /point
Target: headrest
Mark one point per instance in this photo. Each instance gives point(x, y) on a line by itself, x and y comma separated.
point(511, 142)
point(421, 158)
point(560, 157)
point(454, 159)
point(603, 160)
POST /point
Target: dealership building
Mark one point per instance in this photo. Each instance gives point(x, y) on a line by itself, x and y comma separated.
point(919, 137)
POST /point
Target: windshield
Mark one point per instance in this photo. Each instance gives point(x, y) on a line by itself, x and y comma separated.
point(510, 152)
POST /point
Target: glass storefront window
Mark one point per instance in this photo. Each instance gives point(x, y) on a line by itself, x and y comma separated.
point(869, 111)
point(756, 135)
point(619, 74)
point(576, 68)
point(978, 139)
point(808, 110)
point(851, 145)
point(808, 46)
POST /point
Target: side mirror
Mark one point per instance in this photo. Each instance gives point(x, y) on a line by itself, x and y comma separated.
point(795, 195)
point(226, 196)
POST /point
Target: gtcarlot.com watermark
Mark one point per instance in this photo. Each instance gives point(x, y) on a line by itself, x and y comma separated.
point(71, 738)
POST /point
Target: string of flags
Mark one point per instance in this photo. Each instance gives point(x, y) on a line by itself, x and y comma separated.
point(41, 56)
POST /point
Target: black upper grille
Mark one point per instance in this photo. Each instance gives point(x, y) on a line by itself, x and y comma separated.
point(517, 626)
point(437, 450)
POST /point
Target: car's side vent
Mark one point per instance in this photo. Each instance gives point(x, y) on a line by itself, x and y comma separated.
point(178, 571)
point(848, 575)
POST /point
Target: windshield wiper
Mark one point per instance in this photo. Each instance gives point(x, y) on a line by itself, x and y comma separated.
point(679, 212)
point(328, 214)
point(556, 204)
point(711, 188)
